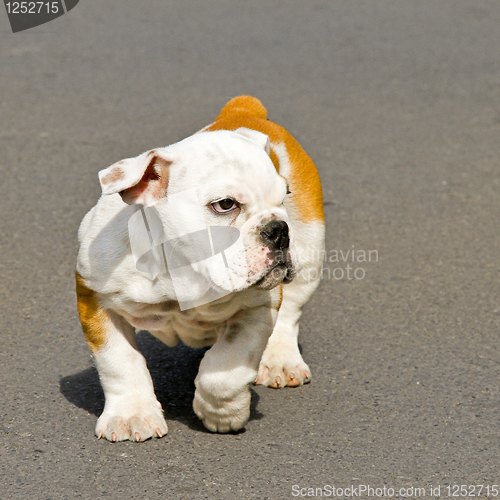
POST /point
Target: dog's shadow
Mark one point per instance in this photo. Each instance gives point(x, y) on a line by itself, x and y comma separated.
point(173, 371)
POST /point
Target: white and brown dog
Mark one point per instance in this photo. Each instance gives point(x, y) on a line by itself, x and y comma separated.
point(242, 172)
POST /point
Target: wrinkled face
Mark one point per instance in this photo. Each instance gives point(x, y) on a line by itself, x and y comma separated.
point(236, 187)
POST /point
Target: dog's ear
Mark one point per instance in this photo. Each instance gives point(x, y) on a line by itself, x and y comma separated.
point(142, 180)
point(256, 136)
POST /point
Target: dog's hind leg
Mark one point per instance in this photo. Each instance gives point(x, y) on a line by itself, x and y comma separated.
point(131, 410)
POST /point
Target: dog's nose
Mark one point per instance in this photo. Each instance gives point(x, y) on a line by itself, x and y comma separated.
point(275, 233)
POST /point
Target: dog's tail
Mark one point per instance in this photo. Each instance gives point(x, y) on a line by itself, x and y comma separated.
point(244, 104)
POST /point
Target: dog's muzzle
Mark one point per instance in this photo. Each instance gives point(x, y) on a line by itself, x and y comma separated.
point(275, 235)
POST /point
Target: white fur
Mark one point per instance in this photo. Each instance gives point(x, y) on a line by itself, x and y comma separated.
point(282, 363)
point(216, 165)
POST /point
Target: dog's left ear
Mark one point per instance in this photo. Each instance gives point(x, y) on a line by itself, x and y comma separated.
point(256, 136)
point(141, 180)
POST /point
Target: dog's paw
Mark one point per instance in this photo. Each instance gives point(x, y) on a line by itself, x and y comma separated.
point(142, 424)
point(279, 369)
point(222, 415)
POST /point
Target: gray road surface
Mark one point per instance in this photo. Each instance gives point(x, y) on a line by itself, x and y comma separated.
point(398, 103)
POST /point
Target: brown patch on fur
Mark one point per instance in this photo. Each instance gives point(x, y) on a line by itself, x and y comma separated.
point(115, 175)
point(92, 317)
point(244, 104)
point(304, 181)
point(155, 179)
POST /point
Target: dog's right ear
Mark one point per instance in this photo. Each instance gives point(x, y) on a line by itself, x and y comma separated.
point(141, 180)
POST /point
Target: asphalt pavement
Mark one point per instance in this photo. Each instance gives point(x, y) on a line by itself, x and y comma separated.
point(398, 103)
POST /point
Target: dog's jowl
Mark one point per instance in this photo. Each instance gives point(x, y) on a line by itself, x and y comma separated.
point(226, 227)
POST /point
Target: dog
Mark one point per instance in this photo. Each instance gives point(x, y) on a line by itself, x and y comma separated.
point(216, 240)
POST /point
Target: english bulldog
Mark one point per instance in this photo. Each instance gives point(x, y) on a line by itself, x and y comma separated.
point(216, 240)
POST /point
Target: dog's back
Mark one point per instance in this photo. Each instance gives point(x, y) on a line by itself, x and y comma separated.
point(289, 158)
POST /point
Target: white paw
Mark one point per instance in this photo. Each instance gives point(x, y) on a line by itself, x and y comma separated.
point(279, 368)
point(137, 424)
point(221, 415)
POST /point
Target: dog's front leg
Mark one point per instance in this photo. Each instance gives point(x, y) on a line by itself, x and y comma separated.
point(222, 397)
point(131, 410)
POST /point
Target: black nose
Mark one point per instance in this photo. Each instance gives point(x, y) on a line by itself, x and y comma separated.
point(275, 233)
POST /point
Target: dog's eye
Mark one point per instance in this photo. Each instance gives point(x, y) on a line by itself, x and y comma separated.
point(225, 205)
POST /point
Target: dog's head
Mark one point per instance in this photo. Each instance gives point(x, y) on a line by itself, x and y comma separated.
point(221, 179)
